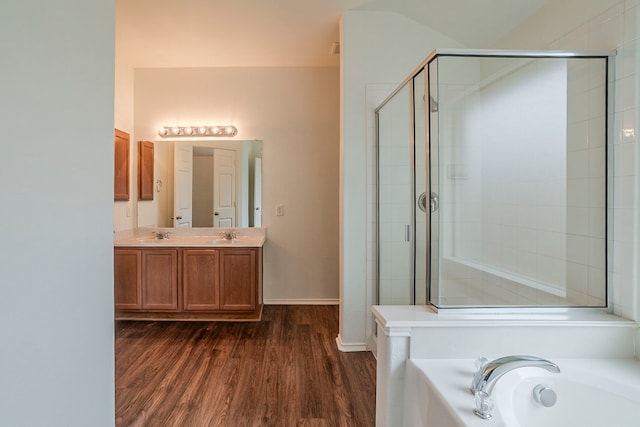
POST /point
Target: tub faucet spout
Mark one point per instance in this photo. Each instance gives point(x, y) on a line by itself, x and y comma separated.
point(486, 377)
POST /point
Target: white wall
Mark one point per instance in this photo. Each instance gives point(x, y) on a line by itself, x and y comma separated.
point(294, 111)
point(380, 50)
point(56, 182)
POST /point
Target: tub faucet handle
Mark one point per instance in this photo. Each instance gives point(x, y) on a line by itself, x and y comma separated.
point(544, 395)
point(484, 405)
point(481, 362)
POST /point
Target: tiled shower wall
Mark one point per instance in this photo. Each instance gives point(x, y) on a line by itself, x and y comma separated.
point(502, 180)
point(617, 28)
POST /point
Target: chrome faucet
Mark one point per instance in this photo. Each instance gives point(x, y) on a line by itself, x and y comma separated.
point(230, 235)
point(161, 235)
point(486, 377)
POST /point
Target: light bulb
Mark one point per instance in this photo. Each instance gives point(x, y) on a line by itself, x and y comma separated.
point(188, 130)
point(202, 130)
point(230, 130)
point(175, 131)
point(163, 131)
point(215, 130)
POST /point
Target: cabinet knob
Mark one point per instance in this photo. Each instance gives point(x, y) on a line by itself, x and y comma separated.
point(216, 213)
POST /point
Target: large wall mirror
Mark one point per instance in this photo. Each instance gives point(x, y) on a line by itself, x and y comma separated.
point(205, 184)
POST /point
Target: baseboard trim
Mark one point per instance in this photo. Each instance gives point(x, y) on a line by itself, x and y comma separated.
point(301, 302)
point(350, 347)
point(373, 345)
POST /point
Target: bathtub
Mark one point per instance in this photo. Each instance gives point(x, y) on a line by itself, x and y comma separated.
point(590, 392)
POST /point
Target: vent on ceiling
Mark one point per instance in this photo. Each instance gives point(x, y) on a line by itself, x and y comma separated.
point(335, 48)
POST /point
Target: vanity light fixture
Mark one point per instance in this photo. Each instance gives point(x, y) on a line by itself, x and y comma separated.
point(217, 131)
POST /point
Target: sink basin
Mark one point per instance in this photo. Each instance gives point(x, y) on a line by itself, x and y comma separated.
point(222, 241)
point(146, 239)
point(217, 241)
point(152, 239)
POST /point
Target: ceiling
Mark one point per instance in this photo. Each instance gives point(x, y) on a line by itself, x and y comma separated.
point(243, 33)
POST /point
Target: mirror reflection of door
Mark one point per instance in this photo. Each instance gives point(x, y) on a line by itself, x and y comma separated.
point(183, 182)
point(224, 194)
point(214, 187)
point(257, 193)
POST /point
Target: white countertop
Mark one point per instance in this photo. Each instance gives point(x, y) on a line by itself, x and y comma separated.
point(193, 237)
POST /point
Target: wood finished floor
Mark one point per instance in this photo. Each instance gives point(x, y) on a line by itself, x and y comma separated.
point(283, 371)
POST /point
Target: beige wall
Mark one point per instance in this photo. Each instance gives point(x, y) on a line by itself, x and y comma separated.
point(295, 112)
point(124, 212)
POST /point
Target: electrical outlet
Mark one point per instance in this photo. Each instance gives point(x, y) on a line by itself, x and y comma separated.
point(279, 210)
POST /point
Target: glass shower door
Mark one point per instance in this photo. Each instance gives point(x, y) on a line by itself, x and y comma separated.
point(518, 168)
point(421, 194)
point(395, 194)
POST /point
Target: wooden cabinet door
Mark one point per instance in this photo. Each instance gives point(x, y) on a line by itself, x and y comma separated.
point(159, 279)
point(238, 279)
point(121, 166)
point(200, 279)
point(145, 170)
point(127, 279)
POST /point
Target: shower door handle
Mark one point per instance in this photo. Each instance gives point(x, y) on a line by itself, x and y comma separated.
point(433, 202)
point(422, 202)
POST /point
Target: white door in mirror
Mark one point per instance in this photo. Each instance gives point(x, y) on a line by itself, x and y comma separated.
point(257, 193)
point(183, 184)
point(224, 184)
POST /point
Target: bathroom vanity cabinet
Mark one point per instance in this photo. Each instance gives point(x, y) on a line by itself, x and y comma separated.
point(184, 283)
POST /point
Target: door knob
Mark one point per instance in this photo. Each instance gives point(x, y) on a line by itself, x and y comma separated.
point(216, 213)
